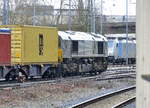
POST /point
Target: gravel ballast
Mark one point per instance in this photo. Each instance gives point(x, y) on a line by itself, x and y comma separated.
point(55, 95)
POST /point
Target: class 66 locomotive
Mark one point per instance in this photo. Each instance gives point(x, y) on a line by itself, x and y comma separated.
point(44, 52)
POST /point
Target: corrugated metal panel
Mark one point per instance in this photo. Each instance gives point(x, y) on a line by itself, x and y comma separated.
point(31, 44)
point(32, 47)
point(5, 52)
point(85, 48)
point(16, 46)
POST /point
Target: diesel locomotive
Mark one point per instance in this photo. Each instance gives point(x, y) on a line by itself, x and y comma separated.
point(34, 51)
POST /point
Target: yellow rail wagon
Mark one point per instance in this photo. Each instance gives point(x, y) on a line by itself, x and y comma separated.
point(34, 52)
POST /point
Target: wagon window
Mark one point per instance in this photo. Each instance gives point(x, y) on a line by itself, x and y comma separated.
point(75, 47)
point(41, 45)
point(100, 47)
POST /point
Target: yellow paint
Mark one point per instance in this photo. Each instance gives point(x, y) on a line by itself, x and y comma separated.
point(18, 55)
point(60, 53)
point(27, 46)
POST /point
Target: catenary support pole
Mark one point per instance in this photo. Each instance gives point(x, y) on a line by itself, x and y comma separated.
point(126, 32)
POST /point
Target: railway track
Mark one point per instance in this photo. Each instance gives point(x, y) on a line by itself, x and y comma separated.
point(31, 83)
point(125, 103)
point(101, 97)
point(121, 69)
point(25, 84)
point(114, 78)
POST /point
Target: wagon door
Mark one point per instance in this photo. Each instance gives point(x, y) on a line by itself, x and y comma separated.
point(5, 47)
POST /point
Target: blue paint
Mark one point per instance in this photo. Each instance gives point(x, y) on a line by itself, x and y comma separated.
point(120, 49)
point(5, 30)
point(110, 44)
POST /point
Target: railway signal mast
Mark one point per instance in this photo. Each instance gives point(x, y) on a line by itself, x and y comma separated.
point(5, 12)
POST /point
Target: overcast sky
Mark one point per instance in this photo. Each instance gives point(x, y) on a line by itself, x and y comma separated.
point(110, 7)
point(118, 7)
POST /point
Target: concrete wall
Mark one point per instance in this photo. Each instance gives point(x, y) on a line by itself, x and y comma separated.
point(143, 53)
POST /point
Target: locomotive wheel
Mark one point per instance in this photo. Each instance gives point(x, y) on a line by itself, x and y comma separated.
point(22, 78)
point(8, 78)
point(11, 76)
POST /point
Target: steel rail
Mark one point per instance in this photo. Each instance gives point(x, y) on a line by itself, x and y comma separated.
point(25, 84)
point(114, 78)
point(102, 97)
point(118, 73)
point(125, 103)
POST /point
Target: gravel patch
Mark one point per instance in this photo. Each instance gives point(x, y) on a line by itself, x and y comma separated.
point(55, 95)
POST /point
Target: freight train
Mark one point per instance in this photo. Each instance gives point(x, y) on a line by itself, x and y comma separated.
point(33, 51)
point(119, 49)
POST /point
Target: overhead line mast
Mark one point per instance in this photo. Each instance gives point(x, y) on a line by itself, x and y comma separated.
point(5, 12)
point(91, 16)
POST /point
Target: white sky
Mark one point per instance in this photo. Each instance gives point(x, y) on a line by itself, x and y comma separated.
point(118, 7)
point(110, 7)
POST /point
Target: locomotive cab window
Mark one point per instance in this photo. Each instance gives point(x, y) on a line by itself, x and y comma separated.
point(59, 43)
point(41, 45)
point(75, 47)
point(100, 47)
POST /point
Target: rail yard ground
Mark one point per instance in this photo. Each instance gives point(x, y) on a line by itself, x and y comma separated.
point(59, 93)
